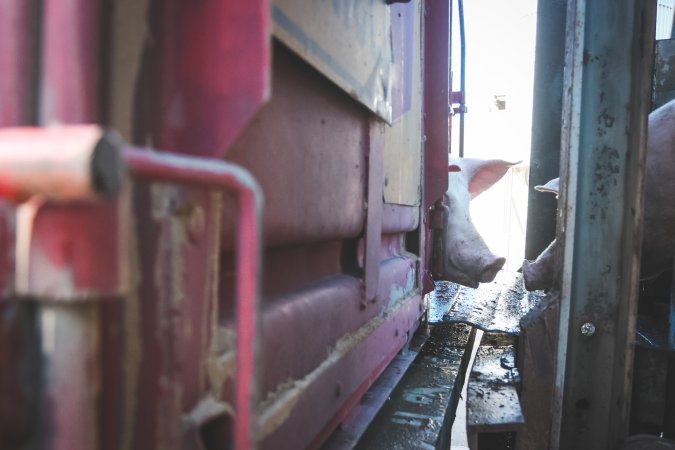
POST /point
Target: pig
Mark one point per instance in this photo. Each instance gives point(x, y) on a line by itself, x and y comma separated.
point(658, 241)
point(538, 274)
point(467, 259)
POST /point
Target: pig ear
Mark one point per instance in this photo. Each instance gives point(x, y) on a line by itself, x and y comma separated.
point(551, 186)
point(454, 168)
point(485, 173)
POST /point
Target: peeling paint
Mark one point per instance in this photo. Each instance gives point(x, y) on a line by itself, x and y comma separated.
point(277, 407)
point(396, 292)
point(217, 372)
point(207, 409)
point(133, 350)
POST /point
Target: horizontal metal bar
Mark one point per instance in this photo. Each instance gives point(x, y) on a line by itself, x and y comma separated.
point(59, 163)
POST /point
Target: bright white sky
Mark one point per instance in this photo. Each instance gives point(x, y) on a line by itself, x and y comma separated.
point(500, 39)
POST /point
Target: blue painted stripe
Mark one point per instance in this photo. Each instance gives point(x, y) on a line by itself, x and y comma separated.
point(315, 49)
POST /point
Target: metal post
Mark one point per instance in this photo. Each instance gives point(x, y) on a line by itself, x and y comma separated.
point(546, 120)
point(462, 75)
point(606, 99)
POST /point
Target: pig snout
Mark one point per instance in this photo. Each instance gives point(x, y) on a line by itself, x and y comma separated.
point(538, 274)
point(473, 265)
point(490, 269)
point(466, 258)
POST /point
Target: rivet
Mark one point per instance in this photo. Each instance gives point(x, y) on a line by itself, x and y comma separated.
point(588, 329)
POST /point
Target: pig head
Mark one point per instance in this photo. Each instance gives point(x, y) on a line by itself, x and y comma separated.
point(658, 235)
point(465, 257)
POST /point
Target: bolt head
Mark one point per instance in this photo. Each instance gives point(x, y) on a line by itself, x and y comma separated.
point(588, 329)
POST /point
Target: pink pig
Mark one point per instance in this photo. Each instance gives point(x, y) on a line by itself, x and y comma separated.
point(466, 259)
point(658, 238)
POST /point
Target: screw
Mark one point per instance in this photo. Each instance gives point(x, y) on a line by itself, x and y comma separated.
point(588, 329)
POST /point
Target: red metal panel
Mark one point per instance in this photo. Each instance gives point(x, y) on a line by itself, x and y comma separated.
point(219, 175)
point(213, 72)
point(293, 319)
point(436, 112)
point(69, 82)
point(340, 382)
point(373, 232)
point(301, 320)
point(170, 333)
point(399, 218)
point(307, 149)
point(76, 251)
point(17, 42)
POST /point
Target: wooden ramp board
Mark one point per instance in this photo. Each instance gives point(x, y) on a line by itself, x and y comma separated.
point(494, 306)
point(493, 407)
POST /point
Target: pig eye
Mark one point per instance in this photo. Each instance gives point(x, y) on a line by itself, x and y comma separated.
point(454, 168)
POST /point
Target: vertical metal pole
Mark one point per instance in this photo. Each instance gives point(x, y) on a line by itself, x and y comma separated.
point(436, 72)
point(462, 75)
point(606, 100)
point(546, 120)
point(70, 347)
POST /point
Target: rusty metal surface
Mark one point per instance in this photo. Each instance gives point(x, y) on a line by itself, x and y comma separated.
point(205, 173)
point(420, 411)
point(492, 401)
point(172, 338)
point(350, 43)
point(159, 367)
point(663, 84)
point(495, 306)
point(205, 73)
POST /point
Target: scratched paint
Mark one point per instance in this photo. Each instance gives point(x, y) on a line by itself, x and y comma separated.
point(279, 405)
point(351, 45)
